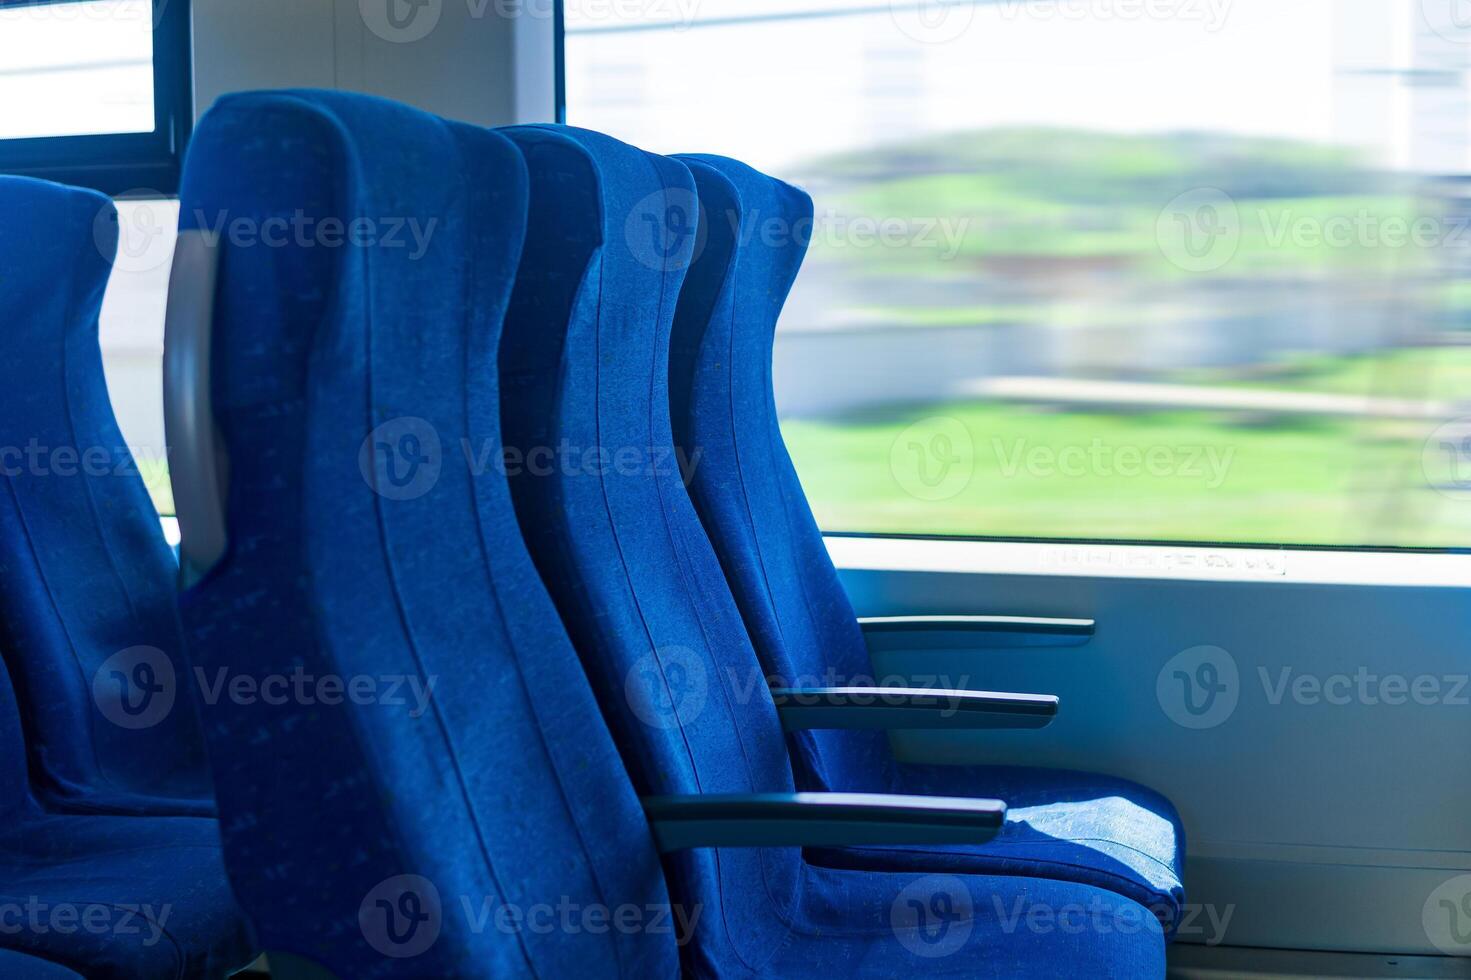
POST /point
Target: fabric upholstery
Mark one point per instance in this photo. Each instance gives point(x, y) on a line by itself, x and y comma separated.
point(1076, 826)
point(371, 536)
point(153, 887)
point(18, 966)
point(600, 497)
point(84, 574)
point(86, 578)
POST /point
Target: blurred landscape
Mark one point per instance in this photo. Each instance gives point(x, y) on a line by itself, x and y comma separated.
point(1065, 278)
point(1083, 274)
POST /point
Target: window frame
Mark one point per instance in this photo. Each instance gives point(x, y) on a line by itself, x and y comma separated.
point(123, 164)
point(559, 61)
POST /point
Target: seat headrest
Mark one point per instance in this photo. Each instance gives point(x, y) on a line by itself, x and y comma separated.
point(771, 221)
point(57, 244)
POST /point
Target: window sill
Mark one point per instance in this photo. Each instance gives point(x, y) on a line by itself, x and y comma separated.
point(1174, 563)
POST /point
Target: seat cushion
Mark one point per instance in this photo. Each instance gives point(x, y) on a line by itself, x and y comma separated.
point(1060, 824)
point(18, 966)
point(114, 896)
point(974, 926)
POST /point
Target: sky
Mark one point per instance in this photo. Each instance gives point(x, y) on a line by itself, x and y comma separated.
point(778, 91)
point(72, 68)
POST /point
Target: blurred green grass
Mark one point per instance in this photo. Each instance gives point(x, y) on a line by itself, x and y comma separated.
point(155, 474)
point(1069, 215)
point(1309, 481)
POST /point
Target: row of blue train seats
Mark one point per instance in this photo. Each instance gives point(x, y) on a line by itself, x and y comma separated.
point(499, 594)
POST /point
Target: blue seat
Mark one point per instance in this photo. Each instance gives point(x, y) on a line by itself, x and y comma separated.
point(372, 837)
point(1076, 826)
point(601, 501)
point(87, 614)
point(66, 599)
point(152, 888)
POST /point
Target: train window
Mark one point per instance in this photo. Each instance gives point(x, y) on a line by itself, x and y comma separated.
point(95, 92)
point(1188, 270)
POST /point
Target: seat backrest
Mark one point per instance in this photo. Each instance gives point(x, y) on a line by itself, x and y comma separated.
point(408, 829)
point(601, 500)
point(18, 800)
point(87, 617)
point(746, 489)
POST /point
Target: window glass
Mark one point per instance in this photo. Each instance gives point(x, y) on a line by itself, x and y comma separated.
point(84, 71)
point(76, 69)
point(1096, 269)
point(131, 335)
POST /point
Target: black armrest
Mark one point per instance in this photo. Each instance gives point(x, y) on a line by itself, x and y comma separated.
point(819, 820)
point(909, 707)
point(972, 632)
